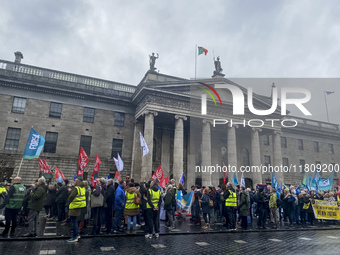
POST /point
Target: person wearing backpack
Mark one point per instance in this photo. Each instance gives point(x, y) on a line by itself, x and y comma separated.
point(133, 199)
point(273, 204)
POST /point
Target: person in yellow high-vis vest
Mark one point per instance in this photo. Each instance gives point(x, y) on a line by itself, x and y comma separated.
point(76, 201)
point(153, 205)
point(230, 198)
point(131, 210)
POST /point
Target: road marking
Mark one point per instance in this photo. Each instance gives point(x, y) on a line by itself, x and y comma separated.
point(111, 248)
point(158, 246)
point(202, 243)
point(275, 240)
point(240, 241)
point(48, 227)
point(47, 252)
point(50, 234)
point(305, 238)
point(333, 237)
point(175, 230)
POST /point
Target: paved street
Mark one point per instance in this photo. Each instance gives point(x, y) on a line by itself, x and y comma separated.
point(287, 242)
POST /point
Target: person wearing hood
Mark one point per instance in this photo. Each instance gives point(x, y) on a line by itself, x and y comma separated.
point(109, 199)
point(76, 201)
point(35, 205)
point(131, 208)
point(119, 206)
point(154, 201)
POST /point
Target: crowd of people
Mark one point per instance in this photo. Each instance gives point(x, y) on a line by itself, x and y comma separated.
point(117, 206)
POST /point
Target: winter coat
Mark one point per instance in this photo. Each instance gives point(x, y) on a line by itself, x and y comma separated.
point(51, 196)
point(288, 202)
point(168, 199)
point(62, 194)
point(244, 204)
point(135, 211)
point(37, 198)
point(110, 195)
point(119, 198)
point(154, 189)
point(205, 203)
point(273, 200)
point(74, 193)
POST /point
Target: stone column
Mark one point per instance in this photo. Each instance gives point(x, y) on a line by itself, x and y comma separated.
point(232, 151)
point(137, 151)
point(165, 157)
point(206, 152)
point(256, 155)
point(277, 161)
point(191, 152)
point(148, 137)
point(178, 148)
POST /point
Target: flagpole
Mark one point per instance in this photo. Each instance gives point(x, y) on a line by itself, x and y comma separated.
point(195, 60)
point(324, 94)
point(20, 166)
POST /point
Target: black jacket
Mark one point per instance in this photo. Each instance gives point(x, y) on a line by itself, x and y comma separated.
point(62, 194)
point(110, 195)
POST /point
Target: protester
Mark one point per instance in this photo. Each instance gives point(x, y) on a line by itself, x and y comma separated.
point(152, 211)
point(109, 200)
point(50, 202)
point(205, 208)
point(84, 211)
point(98, 210)
point(229, 196)
point(168, 201)
point(244, 207)
point(13, 202)
point(263, 204)
point(131, 207)
point(119, 206)
point(35, 205)
point(61, 199)
point(76, 202)
point(273, 206)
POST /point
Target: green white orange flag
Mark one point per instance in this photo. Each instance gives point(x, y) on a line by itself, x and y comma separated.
point(202, 50)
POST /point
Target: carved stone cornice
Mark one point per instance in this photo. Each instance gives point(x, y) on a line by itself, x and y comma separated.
point(150, 112)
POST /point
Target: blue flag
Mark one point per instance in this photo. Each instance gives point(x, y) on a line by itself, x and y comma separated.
point(34, 145)
point(326, 184)
point(235, 182)
point(108, 177)
point(279, 189)
point(274, 181)
point(298, 191)
point(75, 175)
point(182, 179)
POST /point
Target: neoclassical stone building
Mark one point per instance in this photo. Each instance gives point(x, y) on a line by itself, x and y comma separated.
point(106, 118)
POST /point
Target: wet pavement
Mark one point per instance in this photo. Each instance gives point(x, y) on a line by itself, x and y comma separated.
point(275, 242)
point(50, 229)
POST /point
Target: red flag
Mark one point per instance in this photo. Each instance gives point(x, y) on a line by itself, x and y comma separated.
point(56, 174)
point(60, 173)
point(225, 173)
point(82, 162)
point(94, 183)
point(117, 177)
point(95, 169)
point(41, 166)
point(163, 182)
point(158, 174)
point(47, 169)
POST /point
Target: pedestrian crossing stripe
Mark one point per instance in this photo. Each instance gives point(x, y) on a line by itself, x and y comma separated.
point(240, 241)
point(305, 238)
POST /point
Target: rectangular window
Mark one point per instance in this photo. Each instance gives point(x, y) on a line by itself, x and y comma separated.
point(85, 142)
point(19, 105)
point(331, 148)
point(117, 145)
point(12, 139)
point(266, 160)
point(300, 144)
point(265, 139)
point(51, 139)
point(55, 110)
point(302, 164)
point(316, 146)
point(119, 119)
point(88, 115)
point(283, 142)
point(285, 162)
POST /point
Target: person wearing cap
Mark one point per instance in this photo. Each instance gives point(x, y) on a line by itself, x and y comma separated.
point(13, 203)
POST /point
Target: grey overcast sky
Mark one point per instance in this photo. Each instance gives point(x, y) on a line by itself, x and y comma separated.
point(112, 39)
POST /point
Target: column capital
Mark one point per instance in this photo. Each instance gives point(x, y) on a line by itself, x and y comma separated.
point(277, 132)
point(181, 117)
point(207, 121)
point(232, 126)
point(256, 129)
point(150, 112)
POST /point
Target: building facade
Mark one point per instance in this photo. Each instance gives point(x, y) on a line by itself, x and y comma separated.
point(106, 118)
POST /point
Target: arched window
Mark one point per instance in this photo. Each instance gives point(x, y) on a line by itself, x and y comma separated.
point(154, 151)
point(245, 156)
